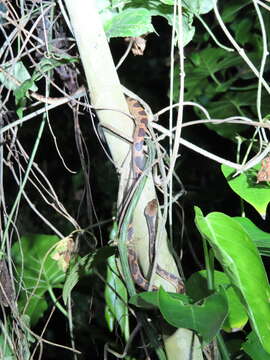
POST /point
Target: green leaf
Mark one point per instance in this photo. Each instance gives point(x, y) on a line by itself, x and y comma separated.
point(109, 317)
point(230, 104)
point(6, 352)
point(116, 297)
point(197, 288)
point(199, 6)
point(195, 6)
point(242, 30)
point(244, 185)
point(145, 300)
point(130, 22)
point(202, 64)
point(234, 100)
point(21, 94)
point(241, 261)
point(254, 348)
point(37, 271)
point(149, 300)
point(206, 318)
point(188, 29)
point(260, 238)
point(167, 2)
point(232, 9)
point(157, 8)
point(75, 272)
point(17, 71)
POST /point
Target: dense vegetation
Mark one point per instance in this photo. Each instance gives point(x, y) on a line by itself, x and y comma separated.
point(203, 72)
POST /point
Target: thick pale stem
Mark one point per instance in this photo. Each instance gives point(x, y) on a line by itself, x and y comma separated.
point(106, 93)
point(101, 76)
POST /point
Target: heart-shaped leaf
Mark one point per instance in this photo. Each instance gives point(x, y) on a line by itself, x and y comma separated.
point(130, 22)
point(244, 185)
point(149, 300)
point(205, 318)
point(197, 288)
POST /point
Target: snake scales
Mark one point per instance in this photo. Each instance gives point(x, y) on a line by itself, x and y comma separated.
point(151, 210)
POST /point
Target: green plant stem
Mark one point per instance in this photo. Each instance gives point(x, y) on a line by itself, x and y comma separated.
point(239, 143)
point(207, 261)
point(19, 195)
point(56, 302)
point(244, 88)
point(222, 348)
point(212, 34)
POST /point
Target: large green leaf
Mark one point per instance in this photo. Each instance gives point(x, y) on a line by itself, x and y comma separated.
point(242, 30)
point(149, 299)
point(254, 348)
point(37, 271)
point(244, 185)
point(232, 9)
point(212, 80)
point(242, 263)
point(17, 71)
point(199, 6)
point(157, 8)
point(195, 6)
point(202, 64)
point(260, 238)
point(205, 318)
point(230, 103)
point(196, 287)
point(130, 22)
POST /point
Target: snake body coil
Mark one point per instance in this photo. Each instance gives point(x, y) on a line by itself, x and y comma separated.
point(151, 210)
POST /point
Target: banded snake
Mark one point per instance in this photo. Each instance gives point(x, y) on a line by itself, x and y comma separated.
point(141, 169)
